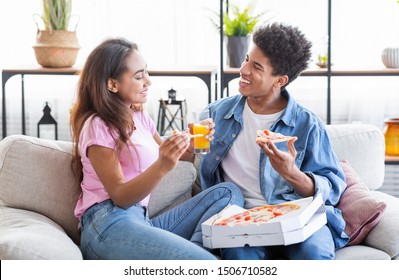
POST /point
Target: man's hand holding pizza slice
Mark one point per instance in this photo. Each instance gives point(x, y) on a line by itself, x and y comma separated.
point(284, 162)
point(266, 139)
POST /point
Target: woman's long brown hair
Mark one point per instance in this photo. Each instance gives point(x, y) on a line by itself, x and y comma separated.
point(108, 60)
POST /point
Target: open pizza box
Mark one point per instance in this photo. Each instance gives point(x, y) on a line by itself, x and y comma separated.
point(293, 227)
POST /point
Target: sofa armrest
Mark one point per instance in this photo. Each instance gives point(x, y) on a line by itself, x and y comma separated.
point(385, 235)
point(45, 184)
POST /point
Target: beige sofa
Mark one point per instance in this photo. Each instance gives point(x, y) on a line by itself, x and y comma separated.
point(38, 193)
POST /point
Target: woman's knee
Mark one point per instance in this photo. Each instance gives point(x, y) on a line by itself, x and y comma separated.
point(232, 191)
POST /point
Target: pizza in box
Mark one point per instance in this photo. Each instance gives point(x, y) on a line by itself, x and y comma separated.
point(266, 135)
point(261, 214)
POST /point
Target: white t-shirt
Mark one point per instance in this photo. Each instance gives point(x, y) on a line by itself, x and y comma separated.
point(241, 164)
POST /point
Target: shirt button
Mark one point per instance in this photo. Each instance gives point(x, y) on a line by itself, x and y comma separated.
point(217, 158)
point(233, 135)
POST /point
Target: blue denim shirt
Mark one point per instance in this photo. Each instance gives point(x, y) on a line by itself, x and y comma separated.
point(315, 157)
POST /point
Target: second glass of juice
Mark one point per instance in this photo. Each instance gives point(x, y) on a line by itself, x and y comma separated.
point(201, 144)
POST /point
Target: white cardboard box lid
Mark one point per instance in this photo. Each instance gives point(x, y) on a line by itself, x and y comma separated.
point(291, 221)
point(318, 220)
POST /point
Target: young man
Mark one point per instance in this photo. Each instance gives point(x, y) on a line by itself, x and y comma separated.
point(270, 173)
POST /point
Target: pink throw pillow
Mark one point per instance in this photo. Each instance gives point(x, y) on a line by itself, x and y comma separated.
point(360, 209)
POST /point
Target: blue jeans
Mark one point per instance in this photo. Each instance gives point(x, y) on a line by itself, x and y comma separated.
point(111, 232)
point(319, 246)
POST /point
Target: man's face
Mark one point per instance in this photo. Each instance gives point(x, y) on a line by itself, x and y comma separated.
point(256, 75)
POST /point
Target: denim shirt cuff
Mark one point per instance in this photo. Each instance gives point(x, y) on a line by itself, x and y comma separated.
point(319, 182)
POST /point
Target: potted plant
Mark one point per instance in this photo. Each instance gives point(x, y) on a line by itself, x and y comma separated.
point(322, 60)
point(56, 45)
point(238, 24)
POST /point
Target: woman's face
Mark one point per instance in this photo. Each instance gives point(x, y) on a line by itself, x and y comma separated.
point(134, 83)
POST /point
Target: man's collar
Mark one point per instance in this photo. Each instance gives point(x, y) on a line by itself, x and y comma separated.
point(288, 117)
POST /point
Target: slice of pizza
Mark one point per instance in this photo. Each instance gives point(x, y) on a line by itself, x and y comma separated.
point(267, 135)
point(261, 214)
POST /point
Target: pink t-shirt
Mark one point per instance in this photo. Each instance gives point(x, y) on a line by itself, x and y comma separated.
point(133, 160)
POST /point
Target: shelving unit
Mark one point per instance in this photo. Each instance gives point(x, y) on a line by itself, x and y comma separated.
point(230, 73)
point(391, 185)
point(206, 73)
point(227, 74)
point(233, 73)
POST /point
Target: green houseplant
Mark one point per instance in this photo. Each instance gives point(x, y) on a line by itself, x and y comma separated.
point(238, 25)
point(56, 45)
point(56, 14)
point(240, 22)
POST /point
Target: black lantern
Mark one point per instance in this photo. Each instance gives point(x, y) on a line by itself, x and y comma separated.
point(48, 122)
point(172, 94)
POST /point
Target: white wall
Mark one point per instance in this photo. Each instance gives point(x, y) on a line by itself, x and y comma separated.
point(178, 32)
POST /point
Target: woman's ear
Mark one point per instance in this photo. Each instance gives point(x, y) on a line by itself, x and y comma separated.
point(112, 85)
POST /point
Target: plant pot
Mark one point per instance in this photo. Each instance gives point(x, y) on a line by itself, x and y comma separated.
point(56, 48)
point(390, 57)
point(237, 49)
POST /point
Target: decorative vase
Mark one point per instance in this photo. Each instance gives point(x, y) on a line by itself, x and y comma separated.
point(390, 57)
point(391, 134)
point(237, 48)
point(56, 48)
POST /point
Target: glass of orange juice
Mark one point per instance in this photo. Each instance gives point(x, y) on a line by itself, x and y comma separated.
point(202, 144)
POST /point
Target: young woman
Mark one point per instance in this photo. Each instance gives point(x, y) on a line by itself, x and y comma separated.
point(123, 159)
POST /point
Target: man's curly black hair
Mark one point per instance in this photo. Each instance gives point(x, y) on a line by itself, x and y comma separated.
point(286, 47)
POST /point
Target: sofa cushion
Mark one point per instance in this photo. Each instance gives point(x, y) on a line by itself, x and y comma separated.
point(363, 145)
point(360, 209)
point(26, 235)
point(360, 252)
point(174, 188)
point(36, 175)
